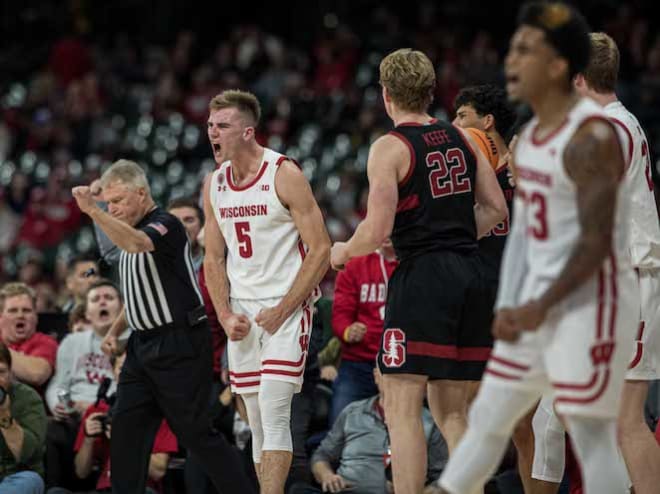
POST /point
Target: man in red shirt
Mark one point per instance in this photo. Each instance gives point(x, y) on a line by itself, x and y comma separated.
point(32, 353)
point(93, 445)
point(357, 320)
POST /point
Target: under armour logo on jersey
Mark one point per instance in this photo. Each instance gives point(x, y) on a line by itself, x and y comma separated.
point(265, 187)
point(221, 181)
point(394, 347)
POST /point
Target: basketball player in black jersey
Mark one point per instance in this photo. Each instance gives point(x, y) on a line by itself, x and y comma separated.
point(435, 197)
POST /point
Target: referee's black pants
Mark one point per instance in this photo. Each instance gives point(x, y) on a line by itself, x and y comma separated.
point(167, 373)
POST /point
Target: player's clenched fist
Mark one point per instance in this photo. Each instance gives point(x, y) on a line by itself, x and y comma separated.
point(339, 255)
point(237, 326)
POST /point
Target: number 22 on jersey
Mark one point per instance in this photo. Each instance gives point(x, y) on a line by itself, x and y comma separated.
point(449, 173)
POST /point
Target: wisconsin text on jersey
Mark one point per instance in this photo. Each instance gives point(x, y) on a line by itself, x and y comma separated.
point(243, 211)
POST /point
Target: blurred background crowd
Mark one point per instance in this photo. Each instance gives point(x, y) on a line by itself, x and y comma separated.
point(84, 83)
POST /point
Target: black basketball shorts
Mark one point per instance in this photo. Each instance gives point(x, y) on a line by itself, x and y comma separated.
point(438, 318)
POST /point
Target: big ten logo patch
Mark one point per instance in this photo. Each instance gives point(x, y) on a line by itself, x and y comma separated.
point(265, 187)
point(602, 353)
point(304, 342)
point(221, 183)
point(394, 348)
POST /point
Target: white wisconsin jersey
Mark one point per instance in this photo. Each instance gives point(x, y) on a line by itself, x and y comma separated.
point(644, 225)
point(546, 196)
point(264, 249)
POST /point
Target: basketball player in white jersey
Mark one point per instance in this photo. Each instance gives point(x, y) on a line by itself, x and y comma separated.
point(638, 445)
point(266, 253)
point(566, 299)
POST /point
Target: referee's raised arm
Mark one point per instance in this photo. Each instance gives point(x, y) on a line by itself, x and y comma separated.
point(168, 368)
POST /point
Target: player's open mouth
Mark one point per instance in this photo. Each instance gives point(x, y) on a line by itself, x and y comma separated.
point(216, 147)
point(104, 313)
point(20, 325)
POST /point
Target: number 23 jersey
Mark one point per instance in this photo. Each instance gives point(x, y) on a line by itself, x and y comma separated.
point(546, 199)
point(264, 248)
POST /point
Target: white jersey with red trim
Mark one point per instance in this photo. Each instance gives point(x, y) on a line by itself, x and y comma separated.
point(546, 200)
point(264, 249)
point(644, 225)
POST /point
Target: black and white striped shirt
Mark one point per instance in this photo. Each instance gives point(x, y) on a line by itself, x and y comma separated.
point(160, 287)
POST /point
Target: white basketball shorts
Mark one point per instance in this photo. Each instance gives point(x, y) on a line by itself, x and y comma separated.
point(260, 355)
point(581, 352)
point(644, 365)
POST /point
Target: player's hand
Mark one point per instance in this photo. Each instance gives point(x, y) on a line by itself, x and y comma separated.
point(504, 327)
point(334, 483)
point(83, 196)
point(237, 326)
point(530, 316)
point(270, 319)
point(109, 345)
point(339, 255)
point(355, 332)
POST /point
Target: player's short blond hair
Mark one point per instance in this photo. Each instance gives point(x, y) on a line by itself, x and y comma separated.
point(246, 103)
point(409, 77)
point(16, 289)
point(128, 173)
point(603, 70)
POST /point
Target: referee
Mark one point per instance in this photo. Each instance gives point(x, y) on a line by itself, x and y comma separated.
point(168, 366)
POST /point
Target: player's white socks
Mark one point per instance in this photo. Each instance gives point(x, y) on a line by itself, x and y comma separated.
point(254, 421)
point(594, 442)
point(549, 443)
point(493, 415)
point(275, 405)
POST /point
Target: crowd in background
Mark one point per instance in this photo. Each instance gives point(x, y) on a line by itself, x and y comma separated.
point(73, 104)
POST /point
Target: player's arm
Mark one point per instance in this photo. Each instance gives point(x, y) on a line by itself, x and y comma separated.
point(514, 264)
point(386, 156)
point(594, 161)
point(295, 193)
point(215, 258)
point(490, 208)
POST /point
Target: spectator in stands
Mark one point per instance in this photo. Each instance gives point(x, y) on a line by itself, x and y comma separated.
point(30, 266)
point(23, 433)
point(82, 272)
point(78, 319)
point(357, 320)
point(81, 368)
point(358, 443)
point(94, 441)
point(33, 354)
point(92, 446)
point(192, 217)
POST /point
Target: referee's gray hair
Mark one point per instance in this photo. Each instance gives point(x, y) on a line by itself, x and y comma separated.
point(127, 172)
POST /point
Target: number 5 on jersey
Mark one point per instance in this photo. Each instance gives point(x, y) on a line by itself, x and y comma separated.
point(244, 240)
